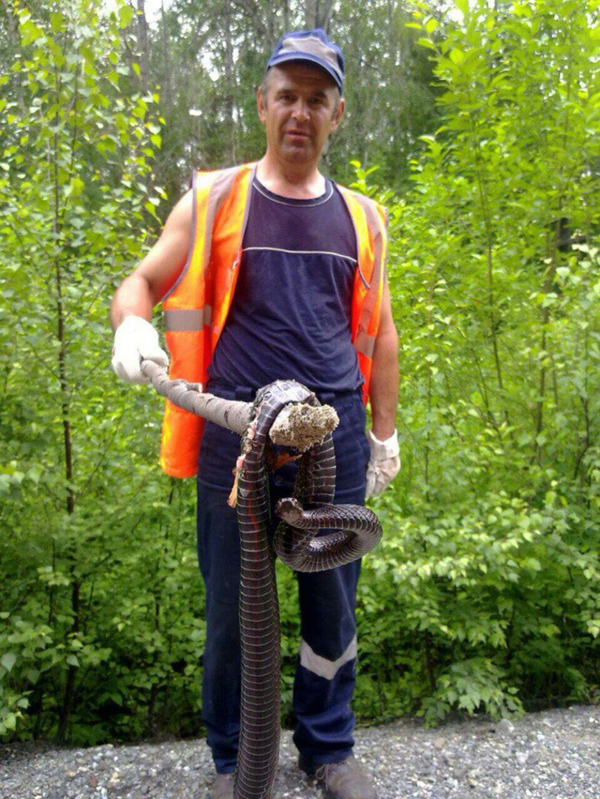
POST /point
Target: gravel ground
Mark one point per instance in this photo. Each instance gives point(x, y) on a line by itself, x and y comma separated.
point(554, 754)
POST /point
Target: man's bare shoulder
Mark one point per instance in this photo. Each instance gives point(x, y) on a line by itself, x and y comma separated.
point(183, 210)
point(163, 264)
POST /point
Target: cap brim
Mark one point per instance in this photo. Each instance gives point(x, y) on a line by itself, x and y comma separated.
point(313, 59)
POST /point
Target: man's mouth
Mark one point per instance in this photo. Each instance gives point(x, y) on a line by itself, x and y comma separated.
point(297, 134)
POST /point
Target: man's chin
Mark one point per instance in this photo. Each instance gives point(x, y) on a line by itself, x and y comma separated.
point(298, 153)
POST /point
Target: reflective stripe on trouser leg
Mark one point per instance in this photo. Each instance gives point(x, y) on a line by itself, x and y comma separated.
point(323, 667)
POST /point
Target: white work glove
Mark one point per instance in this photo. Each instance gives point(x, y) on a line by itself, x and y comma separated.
point(136, 340)
point(384, 463)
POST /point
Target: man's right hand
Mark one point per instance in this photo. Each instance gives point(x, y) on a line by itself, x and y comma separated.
point(136, 340)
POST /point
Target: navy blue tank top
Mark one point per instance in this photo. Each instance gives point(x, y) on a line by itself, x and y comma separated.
point(290, 314)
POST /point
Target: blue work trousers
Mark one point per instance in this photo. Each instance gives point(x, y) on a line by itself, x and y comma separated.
point(325, 673)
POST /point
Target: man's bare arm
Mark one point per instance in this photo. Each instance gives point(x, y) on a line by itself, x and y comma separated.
point(385, 375)
point(157, 272)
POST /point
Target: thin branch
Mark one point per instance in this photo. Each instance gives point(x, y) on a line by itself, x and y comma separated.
point(105, 452)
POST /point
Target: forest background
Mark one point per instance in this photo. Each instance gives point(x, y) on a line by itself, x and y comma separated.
point(477, 124)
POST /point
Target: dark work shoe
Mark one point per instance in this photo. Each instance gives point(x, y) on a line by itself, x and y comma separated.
point(347, 779)
point(222, 787)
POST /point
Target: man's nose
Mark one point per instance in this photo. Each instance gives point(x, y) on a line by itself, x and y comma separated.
point(300, 111)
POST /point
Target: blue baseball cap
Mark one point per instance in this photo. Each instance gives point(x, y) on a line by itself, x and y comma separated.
point(313, 46)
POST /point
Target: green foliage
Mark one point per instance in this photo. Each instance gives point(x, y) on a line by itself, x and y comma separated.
point(83, 512)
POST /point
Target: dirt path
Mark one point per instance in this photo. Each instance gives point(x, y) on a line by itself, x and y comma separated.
point(554, 754)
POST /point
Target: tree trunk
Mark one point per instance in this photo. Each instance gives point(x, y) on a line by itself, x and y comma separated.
point(12, 24)
point(167, 92)
point(142, 42)
point(549, 276)
point(318, 13)
point(230, 81)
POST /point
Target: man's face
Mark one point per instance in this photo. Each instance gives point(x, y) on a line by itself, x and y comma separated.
point(301, 108)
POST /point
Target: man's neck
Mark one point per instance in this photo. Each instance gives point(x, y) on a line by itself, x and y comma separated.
point(297, 181)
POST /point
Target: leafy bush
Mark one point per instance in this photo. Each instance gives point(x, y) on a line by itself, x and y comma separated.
point(487, 582)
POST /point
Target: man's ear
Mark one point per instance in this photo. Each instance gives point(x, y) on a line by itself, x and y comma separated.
point(261, 106)
point(337, 116)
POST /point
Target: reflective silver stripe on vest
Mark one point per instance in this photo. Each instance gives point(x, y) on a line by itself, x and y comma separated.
point(320, 665)
point(187, 320)
point(364, 343)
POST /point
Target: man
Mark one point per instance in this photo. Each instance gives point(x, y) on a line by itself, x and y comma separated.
point(284, 278)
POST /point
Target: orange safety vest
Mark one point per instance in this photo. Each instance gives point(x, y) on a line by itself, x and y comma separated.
point(196, 306)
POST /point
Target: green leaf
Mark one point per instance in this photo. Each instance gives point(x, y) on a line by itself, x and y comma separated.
point(126, 14)
point(56, 20)
point(8, 660)
point(457, 56)
point(9, 722)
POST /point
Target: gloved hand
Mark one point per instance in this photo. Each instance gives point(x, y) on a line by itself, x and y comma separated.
point(384, 463)
point(136, 340)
